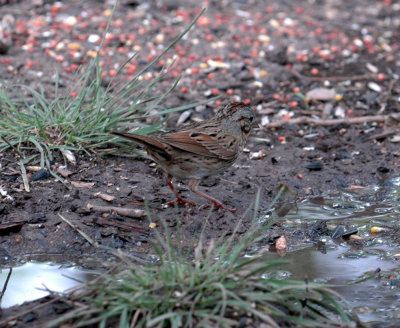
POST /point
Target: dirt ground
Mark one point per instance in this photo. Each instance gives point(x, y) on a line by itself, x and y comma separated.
point(266, 53)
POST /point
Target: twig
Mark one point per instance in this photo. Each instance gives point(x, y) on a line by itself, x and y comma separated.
point(320, 122)
point(367, 76)
point(84, 235)
point(384, 134)
point(135, 318)
point(131, 212)
point(12, 146)
point(123, 226)
point(6, 283)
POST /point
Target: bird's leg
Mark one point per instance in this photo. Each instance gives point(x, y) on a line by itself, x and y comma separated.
point(178, 199)
point(193, 184)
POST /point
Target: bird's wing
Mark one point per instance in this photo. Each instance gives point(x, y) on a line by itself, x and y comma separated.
point(210, 145)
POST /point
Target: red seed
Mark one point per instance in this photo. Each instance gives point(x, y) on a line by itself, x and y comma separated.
point(319, 31)
point(229, 92)
point(269, 9)
point(293, 104)
point(299, 176)
point(73, 94)
point(381, 76)
point(203, 21)
point(184, 89)
point(215, 91)
point(353, 48)
point(282, 139)
point(299, 10)
point(314, 71)
point(296, 89)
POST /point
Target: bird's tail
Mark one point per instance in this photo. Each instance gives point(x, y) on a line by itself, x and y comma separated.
point(139, 139)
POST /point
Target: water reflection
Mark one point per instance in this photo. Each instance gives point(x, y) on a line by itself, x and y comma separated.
point(30, 281)
point(371, 299)
point(373, 255)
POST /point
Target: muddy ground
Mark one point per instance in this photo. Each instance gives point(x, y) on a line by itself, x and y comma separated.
point(268, 54)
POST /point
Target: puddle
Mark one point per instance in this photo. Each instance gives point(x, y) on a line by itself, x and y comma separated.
point(29, 282)
point(376, 256)
point(371, 299)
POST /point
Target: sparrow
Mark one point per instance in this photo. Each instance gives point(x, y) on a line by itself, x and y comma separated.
point(196, 151)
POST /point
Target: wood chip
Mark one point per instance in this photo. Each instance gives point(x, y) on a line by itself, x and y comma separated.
point(322, 94)
point(106, 197)
point(80, 184)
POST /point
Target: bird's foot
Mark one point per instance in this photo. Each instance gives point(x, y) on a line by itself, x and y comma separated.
point(181, 201)
point(217, 204)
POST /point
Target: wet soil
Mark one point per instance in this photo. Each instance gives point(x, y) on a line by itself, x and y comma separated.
point(270, 55)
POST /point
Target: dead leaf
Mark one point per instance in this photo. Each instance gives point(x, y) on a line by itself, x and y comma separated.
point(80, 184)
point(62, 170)
point(8, 227)
point(69, 155)
point(259, 154)
point(395, 138)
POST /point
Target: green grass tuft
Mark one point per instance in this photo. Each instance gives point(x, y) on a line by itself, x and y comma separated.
point(34, 125)
point(215, 287)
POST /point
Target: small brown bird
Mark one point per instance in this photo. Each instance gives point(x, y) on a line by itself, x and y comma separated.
point(199, 150)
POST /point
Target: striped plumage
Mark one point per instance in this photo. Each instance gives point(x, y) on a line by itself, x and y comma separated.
point(199, 150)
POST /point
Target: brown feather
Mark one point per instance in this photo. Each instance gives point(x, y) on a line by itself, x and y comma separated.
point(141, 140)
point(198, 143)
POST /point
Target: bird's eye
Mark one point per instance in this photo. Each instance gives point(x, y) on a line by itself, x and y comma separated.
point(245, 126)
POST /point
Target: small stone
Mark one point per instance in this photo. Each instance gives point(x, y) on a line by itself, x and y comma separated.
point(70, 20)
point(93, 38)
point(372, 68)
point(374, 86)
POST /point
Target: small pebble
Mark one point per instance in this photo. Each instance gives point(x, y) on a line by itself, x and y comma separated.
point(374, 86)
